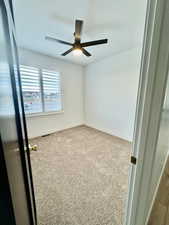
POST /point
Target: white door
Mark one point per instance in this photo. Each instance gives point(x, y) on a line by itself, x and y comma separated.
point(149, 117)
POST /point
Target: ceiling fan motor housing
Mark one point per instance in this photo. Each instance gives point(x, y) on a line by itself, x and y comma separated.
point(77, 43)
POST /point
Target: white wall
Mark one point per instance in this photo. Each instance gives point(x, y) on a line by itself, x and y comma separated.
point(110, 93)
point(72, 81)
point(101, 95)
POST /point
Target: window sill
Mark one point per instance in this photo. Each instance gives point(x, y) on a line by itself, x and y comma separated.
point(43, 114)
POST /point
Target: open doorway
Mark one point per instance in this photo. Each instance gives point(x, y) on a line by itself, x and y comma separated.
point(80, 110)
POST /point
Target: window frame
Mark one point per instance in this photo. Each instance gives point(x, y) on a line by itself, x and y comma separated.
point(44, 113)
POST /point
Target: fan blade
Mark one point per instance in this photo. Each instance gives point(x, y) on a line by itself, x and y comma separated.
point(57, 40)
point(98, 42)
point(78, 29)
point(86, 52)
point(67, 52)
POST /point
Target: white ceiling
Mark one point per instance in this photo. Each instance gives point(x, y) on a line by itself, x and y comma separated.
point(121, 21)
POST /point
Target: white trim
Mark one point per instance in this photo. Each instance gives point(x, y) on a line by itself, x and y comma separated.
point(150, 99)
point(139, 115)
point(107, 132)
point(43, 114)
point(56, 131)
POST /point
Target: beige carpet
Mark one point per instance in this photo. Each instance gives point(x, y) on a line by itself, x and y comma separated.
point(80, 177)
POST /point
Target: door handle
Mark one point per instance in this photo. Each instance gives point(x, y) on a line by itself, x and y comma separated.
point(33, 147)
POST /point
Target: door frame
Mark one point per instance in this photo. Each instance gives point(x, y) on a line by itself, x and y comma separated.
point(152, 85)
point(149, 105)
point(19, 112)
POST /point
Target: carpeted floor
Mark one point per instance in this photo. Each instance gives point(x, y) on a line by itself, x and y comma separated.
point(80, 177)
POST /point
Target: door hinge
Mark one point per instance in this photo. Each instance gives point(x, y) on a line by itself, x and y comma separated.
point(133, 160)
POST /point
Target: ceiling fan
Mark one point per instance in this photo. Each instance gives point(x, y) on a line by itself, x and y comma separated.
point(77, 46)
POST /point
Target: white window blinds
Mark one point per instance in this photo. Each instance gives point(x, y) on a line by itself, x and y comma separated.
point(41, 90)
point(51, 90)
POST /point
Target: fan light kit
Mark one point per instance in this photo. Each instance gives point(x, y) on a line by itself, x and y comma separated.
point(77, 47)
point(77, 51)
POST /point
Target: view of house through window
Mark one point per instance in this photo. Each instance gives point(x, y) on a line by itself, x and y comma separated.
point(41, 90)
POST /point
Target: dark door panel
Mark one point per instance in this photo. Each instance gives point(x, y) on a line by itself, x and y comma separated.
point(14, 142)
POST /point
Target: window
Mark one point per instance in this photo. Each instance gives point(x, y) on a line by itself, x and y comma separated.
point(41, 90)
point(51, 90)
